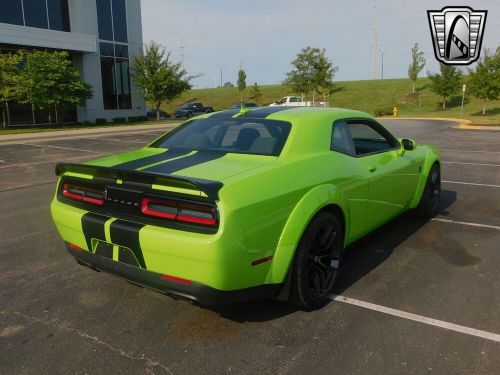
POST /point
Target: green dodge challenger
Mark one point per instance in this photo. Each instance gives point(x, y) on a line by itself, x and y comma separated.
point(244, 204)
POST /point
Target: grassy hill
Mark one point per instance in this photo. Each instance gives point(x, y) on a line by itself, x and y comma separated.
point(367, 96)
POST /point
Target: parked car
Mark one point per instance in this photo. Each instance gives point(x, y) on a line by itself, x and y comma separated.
point(152, 114)
point(245, 104)
point(192, 109)
point(296, 101)
point(224, 208)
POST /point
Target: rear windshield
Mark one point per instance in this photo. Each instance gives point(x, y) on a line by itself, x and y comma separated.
point(235, 135)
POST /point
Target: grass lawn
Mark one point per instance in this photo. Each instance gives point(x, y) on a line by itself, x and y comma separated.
point(366, 96)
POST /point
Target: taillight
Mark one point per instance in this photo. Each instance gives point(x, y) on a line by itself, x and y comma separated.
point(180, 211)
point(84, 194)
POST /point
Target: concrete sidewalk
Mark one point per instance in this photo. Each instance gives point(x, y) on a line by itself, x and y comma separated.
point(71, 133)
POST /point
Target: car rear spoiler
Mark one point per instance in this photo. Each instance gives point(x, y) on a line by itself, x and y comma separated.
point(208, 187)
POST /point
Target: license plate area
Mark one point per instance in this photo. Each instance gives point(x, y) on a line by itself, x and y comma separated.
point(115, 252)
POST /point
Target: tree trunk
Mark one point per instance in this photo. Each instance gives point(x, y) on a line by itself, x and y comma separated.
point(157, 113)
point(484, 107)
point(444, 102)
point(57, 115)
point(314, 98)
point(413, 90)
point(33, 114)
point(8, 112)
point(4, 124)
point(50, 118)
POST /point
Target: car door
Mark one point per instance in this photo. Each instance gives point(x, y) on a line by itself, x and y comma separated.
point(197, 108)
point(393, 175)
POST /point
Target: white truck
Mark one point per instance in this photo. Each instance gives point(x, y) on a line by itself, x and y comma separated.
point(296, 101)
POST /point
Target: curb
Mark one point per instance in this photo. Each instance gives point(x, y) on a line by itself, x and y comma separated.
point(463, 123)
point(86, 131)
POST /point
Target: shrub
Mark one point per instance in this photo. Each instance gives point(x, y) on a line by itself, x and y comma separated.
point(383, 111)
point(99, 121)
point(117, 120)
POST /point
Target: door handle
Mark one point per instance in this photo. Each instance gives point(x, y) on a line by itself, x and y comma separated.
point(372, 168)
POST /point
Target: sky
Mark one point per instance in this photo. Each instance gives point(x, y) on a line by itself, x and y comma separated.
point(265, 36)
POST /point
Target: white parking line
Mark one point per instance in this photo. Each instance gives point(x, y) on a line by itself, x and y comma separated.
point(466, 223)
point(459, 162)
point(2, 161)
point(122, 141)
point(486, 152)
point(418, 318)
point(62, 148)
point(470, 183)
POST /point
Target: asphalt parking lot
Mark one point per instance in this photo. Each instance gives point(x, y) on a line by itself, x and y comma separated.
point(414, 297)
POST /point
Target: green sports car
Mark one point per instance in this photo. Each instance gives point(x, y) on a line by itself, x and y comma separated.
point(244, 204)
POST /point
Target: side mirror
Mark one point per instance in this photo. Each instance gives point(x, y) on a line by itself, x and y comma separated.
point(408, 144)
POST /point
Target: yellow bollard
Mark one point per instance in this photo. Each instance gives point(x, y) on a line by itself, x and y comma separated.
point(395, 111)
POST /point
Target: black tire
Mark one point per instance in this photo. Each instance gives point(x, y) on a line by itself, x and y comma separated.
point(317, 262)
point(189, 115)
point(208, 111)
point(429, 202)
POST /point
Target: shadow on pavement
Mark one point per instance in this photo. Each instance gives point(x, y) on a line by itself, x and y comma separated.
point(360, 259)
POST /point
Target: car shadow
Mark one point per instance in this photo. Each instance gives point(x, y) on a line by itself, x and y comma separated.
point(360, 258)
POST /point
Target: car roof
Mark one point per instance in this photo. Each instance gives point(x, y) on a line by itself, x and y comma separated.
point(293, 114)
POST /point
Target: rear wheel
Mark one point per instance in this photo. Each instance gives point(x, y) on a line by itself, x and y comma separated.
point(317, 262)
point(189, 115)
point(429, 203)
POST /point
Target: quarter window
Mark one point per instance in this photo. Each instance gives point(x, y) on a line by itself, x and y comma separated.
point(342, 140)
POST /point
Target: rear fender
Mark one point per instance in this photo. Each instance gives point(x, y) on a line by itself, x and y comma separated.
point(317, 198)
point(431, 157)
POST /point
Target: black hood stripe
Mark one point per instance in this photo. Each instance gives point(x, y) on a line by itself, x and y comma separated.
point(189, 161)
point(126, 234)
point(93, 227)
point(143, 162)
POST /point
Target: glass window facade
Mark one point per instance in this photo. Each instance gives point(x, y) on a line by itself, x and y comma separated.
point(43, 14)
point(11, 12)
point(115, 67)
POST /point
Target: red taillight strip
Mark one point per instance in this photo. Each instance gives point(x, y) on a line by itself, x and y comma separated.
point(165, 215)
point(182, 211)
point(83, 198)
point(177, 279)
point(263, 260)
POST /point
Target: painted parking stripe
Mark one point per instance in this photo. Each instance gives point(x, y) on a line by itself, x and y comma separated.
point(418, 318)
point(58, 147)
point(2, 161)
point(122, 141)
point(466, 223)
point(480, 151)
point(462, 163)
point(470, 183)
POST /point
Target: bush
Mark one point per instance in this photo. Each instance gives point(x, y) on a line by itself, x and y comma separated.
point(99, 121)
point(118, 120)
point(383, 111)
point(86, 123)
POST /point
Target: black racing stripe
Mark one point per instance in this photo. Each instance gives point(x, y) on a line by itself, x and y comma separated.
point(263, 112)
point(93, 227)
point(142, 162)
point(200, 157)
point(127, 256)
point(126, 234)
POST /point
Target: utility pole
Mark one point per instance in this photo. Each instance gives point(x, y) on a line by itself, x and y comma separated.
point(221, 69)
point(382, 74)
point(182, 47)
point(374, 44)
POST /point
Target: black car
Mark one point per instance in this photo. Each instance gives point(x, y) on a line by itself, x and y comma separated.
point(244, 104)
point(152, 114)
point(192, 109)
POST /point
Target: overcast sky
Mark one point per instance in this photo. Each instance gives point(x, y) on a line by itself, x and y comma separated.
point(265, 36)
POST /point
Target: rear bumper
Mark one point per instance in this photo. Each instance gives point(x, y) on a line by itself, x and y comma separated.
point(197, 292)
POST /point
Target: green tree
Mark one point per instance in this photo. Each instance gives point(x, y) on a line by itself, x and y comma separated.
point(416, 66)
point(242, 82)
point(447, 82)
point(256, 92)
point(312, 72)
point(50, 81)
point(9, 82)
point(228, 84)
point(158, 77)
point(484, 81)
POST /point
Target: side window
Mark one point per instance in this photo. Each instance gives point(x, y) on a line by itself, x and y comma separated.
point(341, 139)
point(282, 101)
point(369, 137)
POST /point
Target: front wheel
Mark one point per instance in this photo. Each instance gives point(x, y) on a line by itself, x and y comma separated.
point(429, 203)
point(317, 262)
point(189, 115)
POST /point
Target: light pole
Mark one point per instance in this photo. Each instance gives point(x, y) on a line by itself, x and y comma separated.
point(221, 69)
point(463, 96)
point(382, 75)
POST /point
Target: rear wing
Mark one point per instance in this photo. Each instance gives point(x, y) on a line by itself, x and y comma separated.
point(209, 188)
